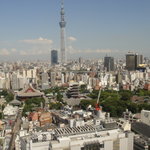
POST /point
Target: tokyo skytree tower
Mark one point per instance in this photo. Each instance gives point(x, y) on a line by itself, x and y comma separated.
point(62, 24)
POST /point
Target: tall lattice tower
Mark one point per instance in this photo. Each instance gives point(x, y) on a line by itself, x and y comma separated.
point(62, 24)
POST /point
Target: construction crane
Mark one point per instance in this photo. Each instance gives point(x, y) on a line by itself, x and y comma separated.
point(97, 106)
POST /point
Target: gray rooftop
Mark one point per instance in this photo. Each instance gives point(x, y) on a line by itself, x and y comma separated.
point(77, 130)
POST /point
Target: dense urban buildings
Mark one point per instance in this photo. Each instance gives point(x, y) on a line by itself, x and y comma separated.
point(49, 100)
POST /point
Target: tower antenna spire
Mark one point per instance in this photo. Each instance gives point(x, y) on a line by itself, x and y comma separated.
point(62, 3)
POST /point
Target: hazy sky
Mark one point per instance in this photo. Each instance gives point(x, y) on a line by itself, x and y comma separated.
point(29, 29)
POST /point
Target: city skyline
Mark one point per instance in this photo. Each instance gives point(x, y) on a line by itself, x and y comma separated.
point(30, 29)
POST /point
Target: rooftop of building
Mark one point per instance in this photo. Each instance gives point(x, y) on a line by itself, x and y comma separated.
point(141, 129)
point(29, 91)
point(68, 131)
point(15, 102)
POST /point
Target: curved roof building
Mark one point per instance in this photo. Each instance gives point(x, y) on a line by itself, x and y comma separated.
point(29, 92)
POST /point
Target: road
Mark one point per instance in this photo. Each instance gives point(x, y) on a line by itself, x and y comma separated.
point(15, 131)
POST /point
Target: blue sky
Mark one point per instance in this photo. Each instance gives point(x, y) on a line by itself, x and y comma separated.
point(29, 29)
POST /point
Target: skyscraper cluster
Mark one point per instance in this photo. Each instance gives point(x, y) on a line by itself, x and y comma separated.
point(133, 61)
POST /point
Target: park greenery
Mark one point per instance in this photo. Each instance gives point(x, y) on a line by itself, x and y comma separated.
point(7, 95)
point(116, 102)
point(57, 93)
point(33, 103)
point(57, 105)
point(1, 115)
point(54, 90)
point(83, 89)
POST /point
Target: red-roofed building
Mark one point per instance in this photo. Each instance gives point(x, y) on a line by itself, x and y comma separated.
point(29, 92)
point(33, 116)
point(45, 118)
point(147, 86)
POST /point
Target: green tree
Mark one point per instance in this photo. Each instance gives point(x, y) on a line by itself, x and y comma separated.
point(125, 95)
point(59, 97)
point(9, 97)
point(1, 115)
point(56, 106)
point(83, 88)
point(85, 103)
point(31, 104)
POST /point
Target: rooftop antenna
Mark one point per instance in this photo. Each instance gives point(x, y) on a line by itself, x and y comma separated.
point(62, 3)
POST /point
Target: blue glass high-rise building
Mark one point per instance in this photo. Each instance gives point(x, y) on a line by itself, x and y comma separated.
point(54, 57)
point(109, 63)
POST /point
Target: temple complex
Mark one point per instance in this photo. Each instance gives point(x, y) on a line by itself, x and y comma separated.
point(29, 92)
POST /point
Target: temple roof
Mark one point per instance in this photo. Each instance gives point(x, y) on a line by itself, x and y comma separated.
point(29, 91)
point(15, 102)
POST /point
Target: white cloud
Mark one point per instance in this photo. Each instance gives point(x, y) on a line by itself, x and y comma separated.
point(38, 41)
point(89, 51)
point(23, 53)
point(34, 52)
point(13, 50)
point(4, 52)
point(36, 47)
point(71, 38)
